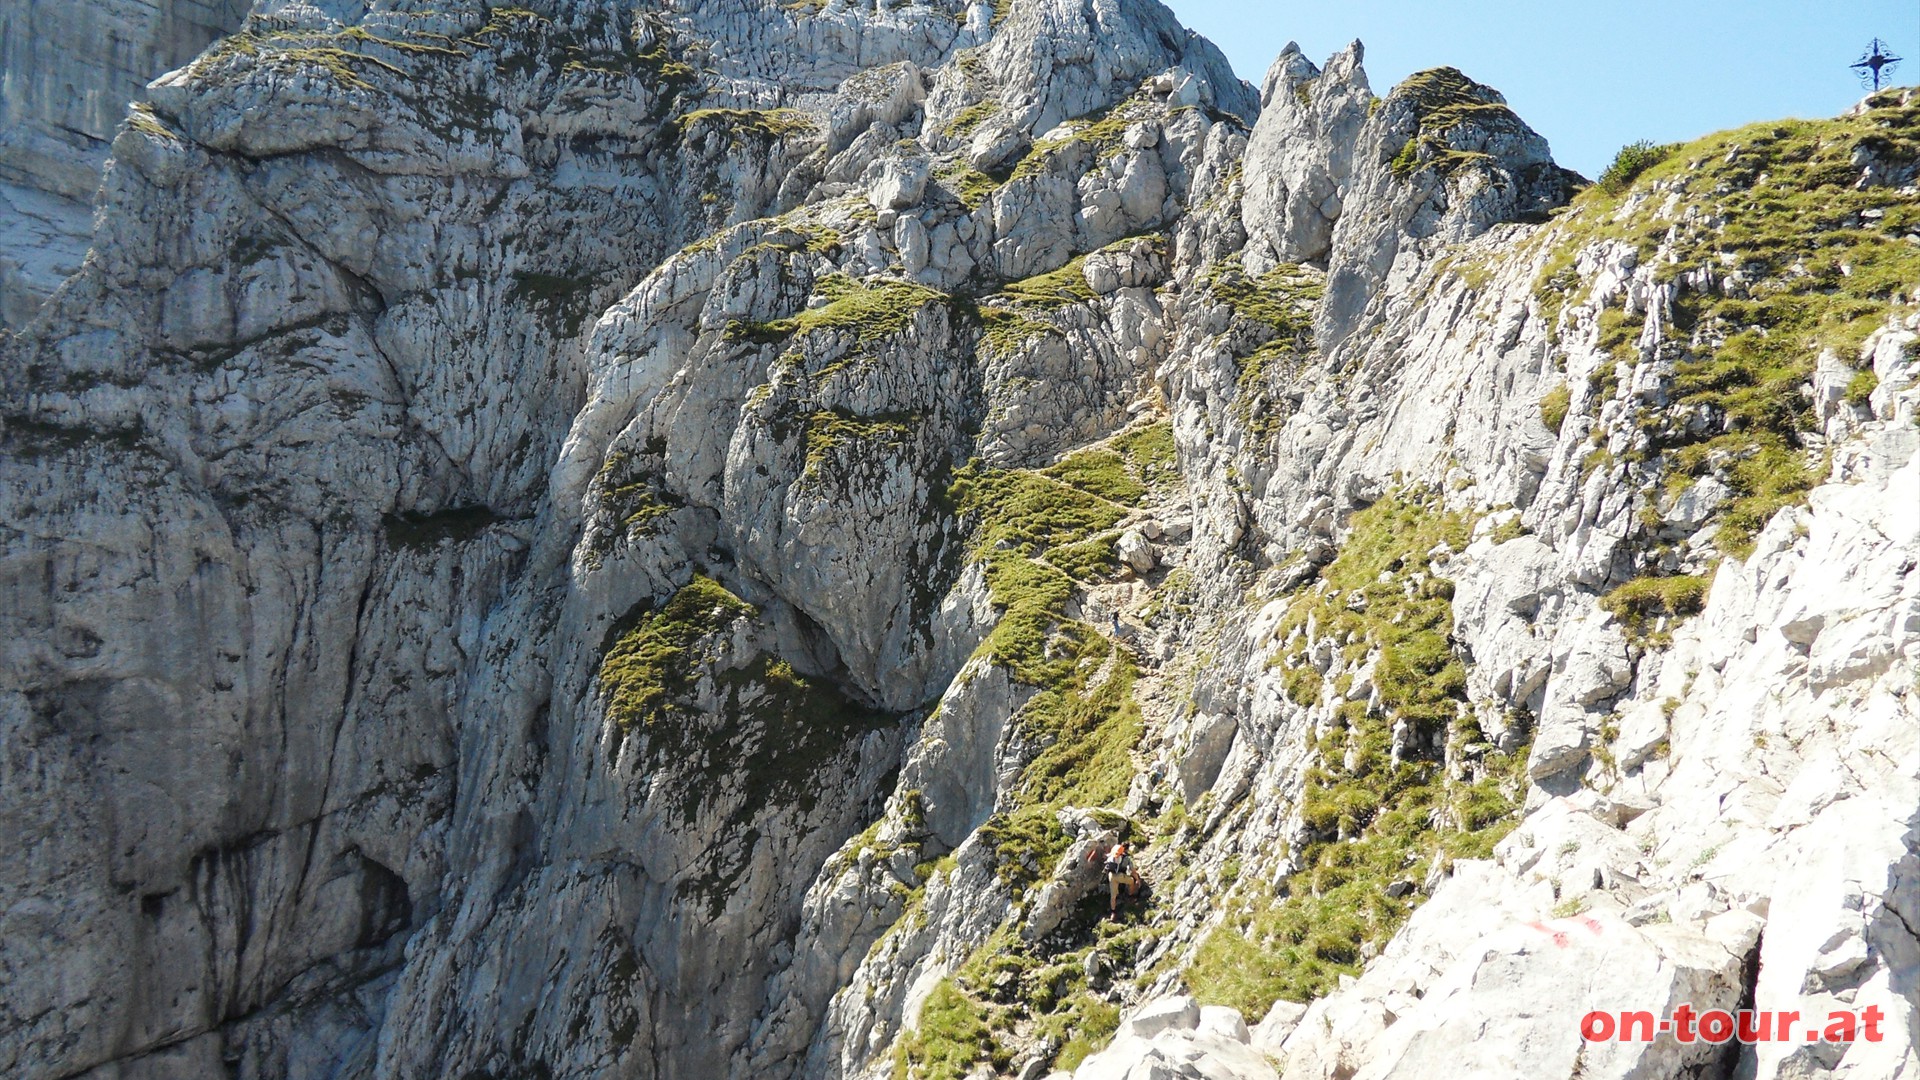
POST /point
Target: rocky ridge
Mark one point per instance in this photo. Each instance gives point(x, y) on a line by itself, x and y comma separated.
point(599, 540)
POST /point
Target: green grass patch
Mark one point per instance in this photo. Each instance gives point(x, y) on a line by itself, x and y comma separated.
point(870, 311)
point(828, 434)
point(970, 185)
point(1083, 714)
point(1375, 820)
point(1281, 300)
point(1444, 99)
point(1038, 534)
point(1018, 516)
point(950, 1038)
point(143, 119)
point(1554, 406)
point(1620, 334)
point(1272, 325)
point(1825, 260)
point(1507, 531)
point(1150, 452)
point(1088, 561)
point(633, 497)
point(1860, 389)
point(1027, 512)
point(1041, 993)
point(742, 124)
point(1093, 729)
point(1089, 1025)
point(1053, 289)
point(1100, 472)
point(1006, 332)
point(968, 120)
point(1647, 608)
point(1097, 136)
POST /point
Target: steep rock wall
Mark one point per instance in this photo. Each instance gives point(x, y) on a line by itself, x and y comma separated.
point(596, 540)
point(70, 70)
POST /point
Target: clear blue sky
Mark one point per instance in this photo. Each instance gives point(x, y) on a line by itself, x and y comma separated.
point(1593, 76)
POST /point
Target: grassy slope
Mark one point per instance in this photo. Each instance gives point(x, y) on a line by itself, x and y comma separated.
point(1825, 262)
point(1373, 821)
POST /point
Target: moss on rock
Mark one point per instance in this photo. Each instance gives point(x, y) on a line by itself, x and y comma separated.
point(870, 311)
point(743, 124)
point(651, 664)
point(1272, 323)
point(830, 436)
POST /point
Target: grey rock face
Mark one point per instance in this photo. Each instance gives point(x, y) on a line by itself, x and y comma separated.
point(530, 550)
point(333, 339)
point(69, 72)
point(1439, 162)
point(1300, 156)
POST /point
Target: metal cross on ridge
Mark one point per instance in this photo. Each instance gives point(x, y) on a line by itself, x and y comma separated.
point(1876, 63)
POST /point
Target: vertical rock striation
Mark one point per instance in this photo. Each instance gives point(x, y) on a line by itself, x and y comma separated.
point(69, 72)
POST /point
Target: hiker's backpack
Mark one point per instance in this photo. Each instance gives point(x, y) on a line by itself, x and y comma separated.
point(1115, 864)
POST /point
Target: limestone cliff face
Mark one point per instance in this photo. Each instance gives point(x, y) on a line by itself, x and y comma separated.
point(68, 72)
point(605, 539)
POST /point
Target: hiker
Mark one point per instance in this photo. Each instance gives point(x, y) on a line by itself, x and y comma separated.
point(1119, 869)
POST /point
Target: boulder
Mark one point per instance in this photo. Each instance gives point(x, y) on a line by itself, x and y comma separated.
point(1136, 551)
point(1590, 667)
point(1178, 1013)
point(899, 184)
point(1199, 768)
point(1178, 1054)
point(1277, 1026)
point(1519, 997)
point(1224, 1022)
